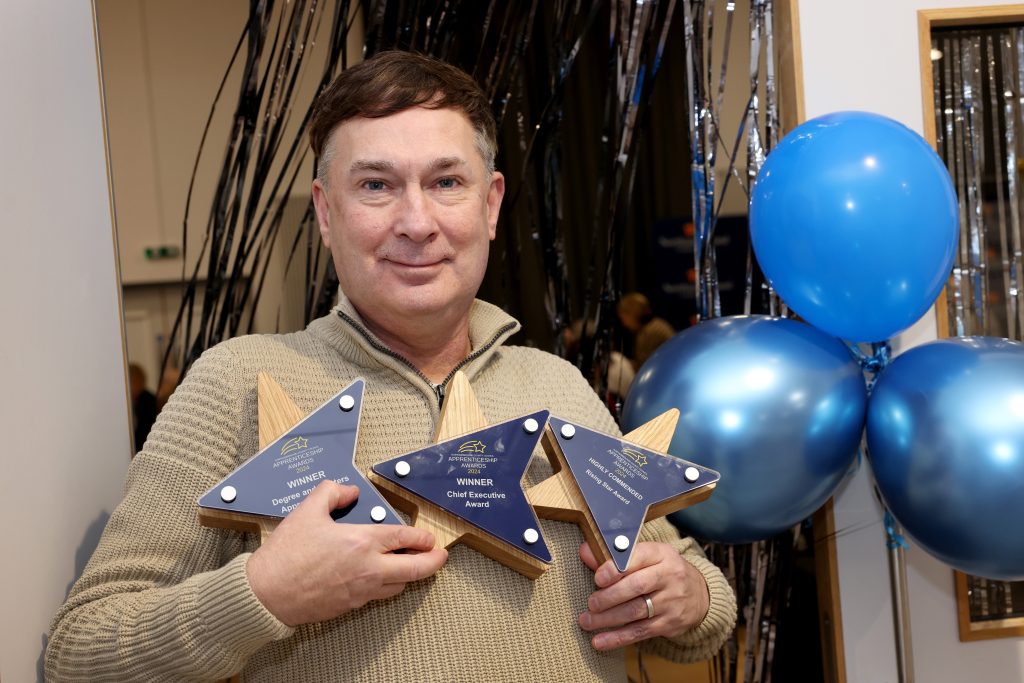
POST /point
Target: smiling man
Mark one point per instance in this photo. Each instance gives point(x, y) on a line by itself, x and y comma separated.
point(408, 199)
point(408, 204)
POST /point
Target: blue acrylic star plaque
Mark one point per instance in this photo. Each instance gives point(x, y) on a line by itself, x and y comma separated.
point(477, 478)
point(320, 447)
point(624, 484)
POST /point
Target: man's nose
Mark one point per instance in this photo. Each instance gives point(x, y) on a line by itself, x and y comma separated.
point(415, 218)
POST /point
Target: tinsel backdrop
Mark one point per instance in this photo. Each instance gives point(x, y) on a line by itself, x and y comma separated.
point(978, 77)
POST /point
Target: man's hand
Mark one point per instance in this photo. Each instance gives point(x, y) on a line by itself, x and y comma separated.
point(677, 591)
point(312, 568)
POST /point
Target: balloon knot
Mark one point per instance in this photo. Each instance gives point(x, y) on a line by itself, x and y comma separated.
point(879, 358)
point(894, 538)
point(875, 363)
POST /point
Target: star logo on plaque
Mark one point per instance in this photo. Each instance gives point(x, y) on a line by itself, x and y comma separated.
point(467, 486)
point(611, 485)
point(296, 454)
point(637, 457)
point(474, 446)
point(293, 444)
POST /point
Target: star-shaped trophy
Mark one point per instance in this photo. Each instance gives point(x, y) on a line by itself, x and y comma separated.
point(296, 454)
point(611, 485)
point(467, 486)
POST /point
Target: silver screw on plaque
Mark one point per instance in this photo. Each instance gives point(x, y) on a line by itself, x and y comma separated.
point(402, 468)
point(691, 474)
point(228, 494)
point(568, 431)
point(531, 536)
point(531, 426)
point(378, 514)
point(347, 403)
point(621, 543)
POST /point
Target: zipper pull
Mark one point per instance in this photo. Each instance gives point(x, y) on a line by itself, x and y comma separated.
point(439, 392)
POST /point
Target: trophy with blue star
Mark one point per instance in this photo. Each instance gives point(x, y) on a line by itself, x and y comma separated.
point(296, 453)
point(467, 487)
point(611, 485)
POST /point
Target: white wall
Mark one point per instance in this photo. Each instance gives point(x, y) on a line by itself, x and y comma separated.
point(162, 65)
point(63, 409)
point(864, 55)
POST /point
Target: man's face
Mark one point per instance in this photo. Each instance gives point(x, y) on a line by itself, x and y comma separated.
point(408, 213)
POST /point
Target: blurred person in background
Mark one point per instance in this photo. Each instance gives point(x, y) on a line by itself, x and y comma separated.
point(649, 331)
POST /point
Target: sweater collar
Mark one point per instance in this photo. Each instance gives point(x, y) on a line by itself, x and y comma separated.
point(489, 328)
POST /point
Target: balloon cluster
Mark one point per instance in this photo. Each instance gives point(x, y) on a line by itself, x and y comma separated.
point(854, 222)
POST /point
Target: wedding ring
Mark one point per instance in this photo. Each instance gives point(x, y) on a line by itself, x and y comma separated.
point(650, 607)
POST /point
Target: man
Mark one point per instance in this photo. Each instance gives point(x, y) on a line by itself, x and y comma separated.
point(408, 201)
point(649, 331)
point(144, 408)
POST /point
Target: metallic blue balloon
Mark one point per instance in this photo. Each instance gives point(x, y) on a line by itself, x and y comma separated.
point(946, 442)
point(776, 406)
point(854, 221)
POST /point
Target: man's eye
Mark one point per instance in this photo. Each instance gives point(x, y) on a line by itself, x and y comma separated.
point(374, 185)
point(447, 183)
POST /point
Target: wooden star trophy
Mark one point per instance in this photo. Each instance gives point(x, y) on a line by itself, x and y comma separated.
point(611, 485)
point(467, 486)
point(296, 453)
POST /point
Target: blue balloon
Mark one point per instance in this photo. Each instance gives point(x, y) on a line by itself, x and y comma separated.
point(854, 221)
point(946, 442)
point(776, 406)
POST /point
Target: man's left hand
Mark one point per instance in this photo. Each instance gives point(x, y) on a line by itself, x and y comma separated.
point(678, 594)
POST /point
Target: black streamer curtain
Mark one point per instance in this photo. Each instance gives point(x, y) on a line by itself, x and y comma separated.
point(568, 209)
point(593, 155)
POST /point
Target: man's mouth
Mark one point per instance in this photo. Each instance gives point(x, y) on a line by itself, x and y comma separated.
point(415, 263)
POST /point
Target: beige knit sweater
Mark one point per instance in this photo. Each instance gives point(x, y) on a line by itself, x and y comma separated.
point(164, 599)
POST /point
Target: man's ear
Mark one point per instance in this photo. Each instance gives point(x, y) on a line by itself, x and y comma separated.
point(494, 196)
point(323, 212)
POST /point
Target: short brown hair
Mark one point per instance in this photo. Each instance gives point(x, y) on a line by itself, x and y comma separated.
point(391, 82)
point(637, 306)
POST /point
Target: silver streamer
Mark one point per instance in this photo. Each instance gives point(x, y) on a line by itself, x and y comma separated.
point(704, 142)
point(975, 152)
point(952, 157)
point(758, 128)
point(978, 81)
point(1012, 65)
point(997, 151)
point(756, 570)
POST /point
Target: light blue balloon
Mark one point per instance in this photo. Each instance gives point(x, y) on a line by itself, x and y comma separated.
point(776, 406)
point(946, 442)
point(854, 221)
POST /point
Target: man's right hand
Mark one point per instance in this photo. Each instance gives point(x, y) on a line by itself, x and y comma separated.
point(312, 568)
